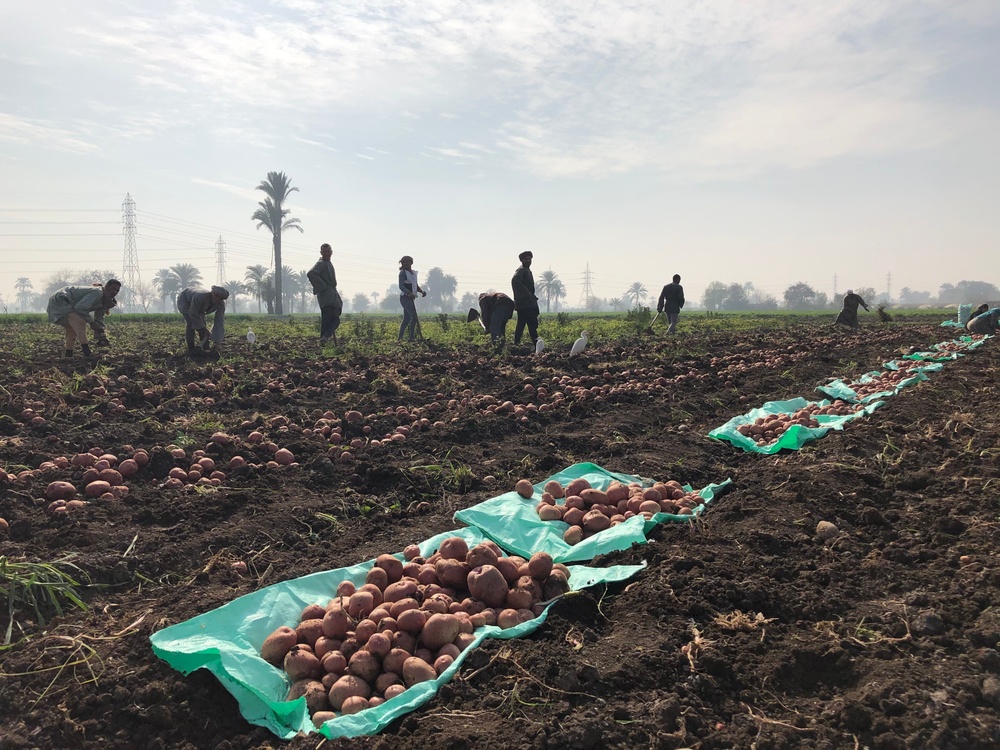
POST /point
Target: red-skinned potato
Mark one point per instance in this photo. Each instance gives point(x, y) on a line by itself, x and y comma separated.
point(345, 588)
point(353, 705)
point(379, 645)
point(309, 631)
point(464, 640)
point(278, 644)
point(480, 555)
point(364, 630)
point(378, 577)
point(507, 568)
point(555, 489)
point(360, 604)
point(60, 491)
point(393, 661)
point(393, 690)
point(402, 589)
point(439, 630)
point(334, 661)
point(391, 565)
point(411, 552)
point(488, 584)
point(518, 599)
point(524, 488)
point(411, 621)
point(387, 679)
point(365, 665)
point(416, 670)
point(595, 521)
point(451, 572)
point(314, 692)
point(375, 591)
point(556, 584)
point(313, 612)
point(321, 717)
point(442, 663)
point(508, 618)
point(550, 512)
point(398, 608)
point(404, 641)
point(301, 663)
point(337, 623)
point(453, 548)
point(576, 486)
point(573, 535)
point(540, 565)
point(346, 687)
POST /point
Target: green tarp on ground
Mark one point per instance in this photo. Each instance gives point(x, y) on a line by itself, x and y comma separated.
point(512, 521)
point(227, 641)
point(839, 389)
point(933, 356)
point(907, 364)
point(795, 436)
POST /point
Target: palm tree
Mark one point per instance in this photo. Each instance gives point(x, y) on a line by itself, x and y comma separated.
point(290, 285)
point(236, 288)
point(187, 275)
point(557, 291)
point(23, 286)
point(637, 292)
point(616, 303)
point(271, 214)
point(304, 287)
point(375, 297)
point(167, 285)
point(255, 277)
point(545, 287)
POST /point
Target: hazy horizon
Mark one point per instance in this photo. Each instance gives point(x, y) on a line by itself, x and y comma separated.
point(724, 141)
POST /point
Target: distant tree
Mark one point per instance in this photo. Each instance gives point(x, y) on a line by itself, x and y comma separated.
point(360, 303)
point(909, 296)
point(868, 294)
point(272, 214)
point(166, 284)
point(94, 276)
point(637, 293)
point(976, 292)
point(375, 297)
point(23, 286)
point(236, 290)
point(57, 281)
point(290, 288)
point(145, 295)
point(596, 304)
point(256, 278)
point(558, 292)
point(946, 294)
point(545, 287)
point(714, 295)
point(305, 289)
point(469, 299)
point(761, 301)
point(187, 275)
point(440, 288)
point(390, 300)
point(799, 296)
point(736, 298)
point(822, 301)
point(616, 303)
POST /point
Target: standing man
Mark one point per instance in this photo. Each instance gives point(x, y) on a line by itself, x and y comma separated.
point(323, 278)
point(671, 302)
point(194, 304)
point(525, 301)
point(76, 307)
point(849, 315)
point(496, 309)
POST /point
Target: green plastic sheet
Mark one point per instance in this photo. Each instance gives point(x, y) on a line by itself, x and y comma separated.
point(512, 521)
point(226, 641)
point(907, 364)
point(934, 356)
point(795, 436)
point(839, 389)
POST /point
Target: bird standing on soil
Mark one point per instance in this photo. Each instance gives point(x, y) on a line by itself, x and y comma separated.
point(539, 346)
point(579, 345)
point(251, 337)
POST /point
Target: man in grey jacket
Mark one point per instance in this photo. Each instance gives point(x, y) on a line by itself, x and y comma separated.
point(671, 302)
point(525, 301)
point(194, 304)
point(323, 278)
point(76, 307)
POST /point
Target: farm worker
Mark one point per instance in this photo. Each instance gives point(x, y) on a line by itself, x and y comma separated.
point(76, 307)
point(849, 315)
point(409, 289)
point(323, 278)
point(671, 302)
point(496, 310)
point(194, 304)
point(525, 301)
point(979, 310)
point(986, 322)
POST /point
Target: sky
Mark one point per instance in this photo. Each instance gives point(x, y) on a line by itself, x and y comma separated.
point(850, 143)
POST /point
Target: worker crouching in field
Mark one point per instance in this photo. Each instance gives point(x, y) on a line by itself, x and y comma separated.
point(495, 311)
point(849, 315)
point(986, 322)
point(194, 304)
point(76, 307)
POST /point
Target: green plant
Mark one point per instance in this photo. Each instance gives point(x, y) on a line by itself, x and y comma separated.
point(639, 318)
point(40, 587)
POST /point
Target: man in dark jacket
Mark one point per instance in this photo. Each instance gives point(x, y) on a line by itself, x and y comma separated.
point(525, 301)
point(671, 302)
point(496, 309)
point(323, 278)
point(849, 315)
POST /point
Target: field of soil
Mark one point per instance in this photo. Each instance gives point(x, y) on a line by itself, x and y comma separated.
point(746, 630)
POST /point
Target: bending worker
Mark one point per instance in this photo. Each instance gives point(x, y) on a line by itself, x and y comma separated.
point(194, 304)
point(849, 315)
point(76, 307)
point(986, 322)
point(496, 310)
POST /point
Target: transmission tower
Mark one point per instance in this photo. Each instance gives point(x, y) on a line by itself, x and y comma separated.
point(220, 260)
point(888, 286)
point(588, 290)
point(835, 285)
point(130, 266)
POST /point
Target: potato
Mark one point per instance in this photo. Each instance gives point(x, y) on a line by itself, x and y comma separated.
point(365, 665)
point(439, 630)
point(309, 631)
point(416, 670)
point(375, 591)
point(555, 585)
point(412, 620)
point(354, 704)
point(442, 663)
point(524, 488)
point(393, 661)
point(507, 568)
point(595, 521)
point(377, 577)
point(449, 649)
point(428, 573)
point(364, 630)
point(508, 618)
point(346, 687)
point(617, 492)
point(337, 623)
point(60, 491)
point(573, 535)
point(349, 646)
point(574, 501)
point(398, 608)
point(345, 588)
point(550, 512)
point(334, 661)
point(379, 644)
point(386, 680)
point(647, 506)
point(278, 644)
point(411, 552)
point(405, 588)
point(451, 572)
point(454, 548)
point(321, 717)
point(480, 555)
point(97, 488)
point(313, 612)
point(360, 604)
point(576, 486)
point(301, 663)
point(391, 565)
point(488, 584)
point(554, 488)
point(464, 640)
point(594, 497)
point(404, 641)
point(540, 565)
point(527, 583)
point(518, 599)
point(314, 692)
point(393, 690)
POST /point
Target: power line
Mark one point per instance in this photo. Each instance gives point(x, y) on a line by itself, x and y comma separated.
point(130, 265)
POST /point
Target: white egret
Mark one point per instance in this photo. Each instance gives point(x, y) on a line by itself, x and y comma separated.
point(579, 345)
point(251, 336)
point(539, 346)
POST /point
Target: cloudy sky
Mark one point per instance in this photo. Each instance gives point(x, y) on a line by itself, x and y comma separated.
point(727, 140)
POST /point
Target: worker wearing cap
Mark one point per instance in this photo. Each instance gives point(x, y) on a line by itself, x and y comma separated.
point(409, 289)
point(194, 304)
point(849, 315)
point(323, 278)
point(76, 307)
point(525, 301)
point(496, 310)
point(671, 301)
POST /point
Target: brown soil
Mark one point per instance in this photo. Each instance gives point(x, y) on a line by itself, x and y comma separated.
point(885, 637)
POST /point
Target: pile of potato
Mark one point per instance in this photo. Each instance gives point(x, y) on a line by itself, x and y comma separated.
point(407, 623)
point(589, 511)
point(887, 380)
point(769, 429)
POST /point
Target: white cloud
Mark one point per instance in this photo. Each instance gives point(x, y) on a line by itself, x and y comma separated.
point(21, 131)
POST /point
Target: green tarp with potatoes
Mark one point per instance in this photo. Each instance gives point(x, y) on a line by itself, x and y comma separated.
point(227, 641)
point(512, 521)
